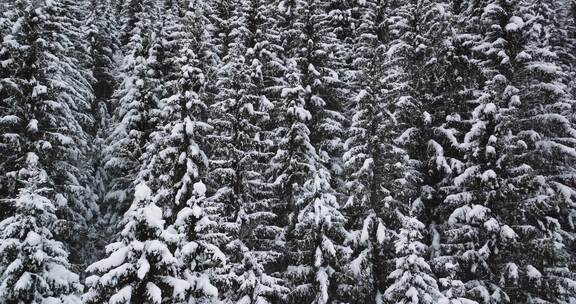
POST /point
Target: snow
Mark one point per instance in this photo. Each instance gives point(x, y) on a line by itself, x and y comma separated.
point(142, 192)
point(196, 211)
point(114, 260)
point(318, 257)
point(122, 296)
point(153, 216)
point(14, 266)
point(507, 233)
point(203, 284)
point(39, 90)
point(328, 247)
point(356, 264)
point(381, 233)
point(512, 269)
point(189, 249)
point(490, 151)
point(533, 273)
point(144, 268)
point(24, 283)
point(360, 96)
point(466, 176)
point(365, 232)
point(32, 159)
point(427, 117)
point(199, 189)
point(488, 175)
point(216, 252)
point(179, 287)
point(474, 132)
point(33, 238)
point(543, 67)
point(405, 137)
point(265, 104)
point(492, 225)
point(322, 279)
point(489, 108)
point(32, 126)
point(301, 113)
point(154, 292)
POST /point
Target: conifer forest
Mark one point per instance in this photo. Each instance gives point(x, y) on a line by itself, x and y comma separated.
point(287, 151)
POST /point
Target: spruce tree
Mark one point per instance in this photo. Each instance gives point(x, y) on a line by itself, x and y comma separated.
point(134, 102)
point(175, 163)
point(238, 152)
point(506, 228)
point(311, 255)
point(413, 281)
point(435, 78)
point(35, 267)
point(379, 180)
point(308, 161)
point(140, 267)
point(46, 101)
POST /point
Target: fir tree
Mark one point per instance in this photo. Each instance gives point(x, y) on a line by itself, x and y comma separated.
point(134, 102)
point(175, 163)
point(35, 267)
point(139, 267)
point(507, 197)
point(412, 280)
point(379, 178)
point(46, 98)
point(238, 155)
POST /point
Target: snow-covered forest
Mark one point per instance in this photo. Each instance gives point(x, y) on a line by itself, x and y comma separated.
point(287, 151)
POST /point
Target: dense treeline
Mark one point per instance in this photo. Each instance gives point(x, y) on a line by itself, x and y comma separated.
point(287, 151)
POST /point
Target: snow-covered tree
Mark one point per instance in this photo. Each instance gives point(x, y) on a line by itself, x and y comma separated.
point(103, 49)
point(34, 266)
point(200, 260)
point(140, 267)
point(379, 178)
point(175, 164)
point(104, 46)
point(46, 98)
point(314, 242)
point(134, 103)
point(435, 79)
point(509, 227)
point(413, 281)
point(288, 151)
point(238, 152)
point(314, 226)
point(307, 162)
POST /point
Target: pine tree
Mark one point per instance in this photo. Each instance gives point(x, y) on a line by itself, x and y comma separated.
point(46, 99)
point(35, 267)
point(134, 102)
point(238, 152)
point(412, 280)
point(506, 228)
point(139, 267)
point(175, 164)
point(379, 180)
